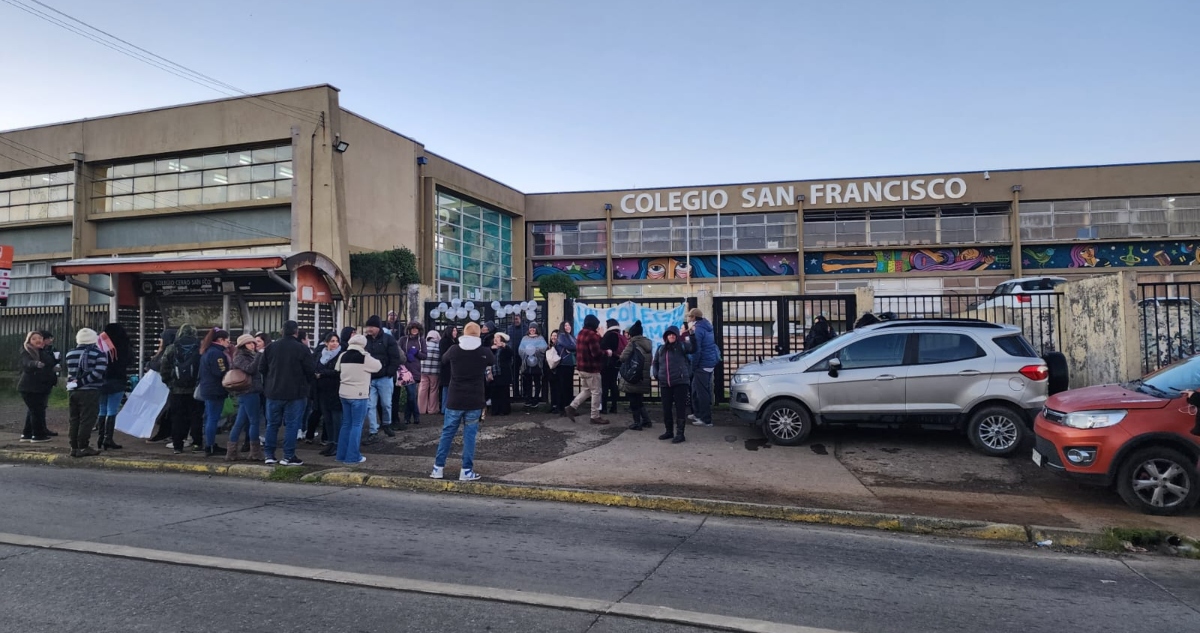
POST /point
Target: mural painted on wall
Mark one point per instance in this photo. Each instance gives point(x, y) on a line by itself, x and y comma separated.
point(704, 267)
point(903, 261)
point(1112, 255)
point(579, 270)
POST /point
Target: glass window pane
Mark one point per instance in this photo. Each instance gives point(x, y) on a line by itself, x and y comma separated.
point(213, 195)
point(39, 211)
point(283, 189)
point(166, 165)
point(144, 201)
point(283, 152)
point(101, 205)
point(215, 177)
point(214, 160)
point(41, 194)
point(167, 181)
point(283, 170)
point(62, 177)
point(20, 196)
point(167, 199)
point(4, 199)
point(4, 215)
point(191, 163)
point(190, 197)
point(122, 171)
point(60, 209)
point(242, 157)
point(264, 190)
point(238, 175)
point(144, 169)
point(266, 155)
point(886, 350)
point(58, 193)
point(123, 203)
point(239, 193)
point(262, 172)
point(145, 184)
point(188, 180)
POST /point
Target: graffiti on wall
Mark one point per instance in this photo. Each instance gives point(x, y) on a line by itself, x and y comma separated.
point(579, 270)
point(1111, 255)
point(704, 267)
point(903, 261)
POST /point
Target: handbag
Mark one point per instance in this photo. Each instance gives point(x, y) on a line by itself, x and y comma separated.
point(404, 377)
point(552, 358)
point(196, 393)
point(237, 380)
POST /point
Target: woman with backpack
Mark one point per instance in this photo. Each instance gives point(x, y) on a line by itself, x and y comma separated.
point(213, 365)
point(120, 355)
point(674, 375)
point(532, 353)
point(564, 374)
point(635, 376)
point(38, 377)
point(181, 370)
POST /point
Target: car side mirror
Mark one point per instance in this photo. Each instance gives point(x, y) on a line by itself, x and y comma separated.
point(834, 366)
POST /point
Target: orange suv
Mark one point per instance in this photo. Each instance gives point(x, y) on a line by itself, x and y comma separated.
point(1136, 436)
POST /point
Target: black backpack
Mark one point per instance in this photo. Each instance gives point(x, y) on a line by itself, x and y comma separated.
point(187, 365)
point(634, 367)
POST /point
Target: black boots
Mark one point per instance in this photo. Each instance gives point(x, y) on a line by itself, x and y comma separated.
point(678, 433)
point(107, 427)
point(641, 420)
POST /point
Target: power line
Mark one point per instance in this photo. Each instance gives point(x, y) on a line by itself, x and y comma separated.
point(168, 66)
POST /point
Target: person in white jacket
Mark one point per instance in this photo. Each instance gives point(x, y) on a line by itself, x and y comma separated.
point(355, 366)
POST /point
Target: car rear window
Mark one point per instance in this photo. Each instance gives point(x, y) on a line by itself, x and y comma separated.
point(1016, 345)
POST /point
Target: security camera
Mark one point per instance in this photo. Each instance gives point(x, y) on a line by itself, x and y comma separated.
point(987, 176)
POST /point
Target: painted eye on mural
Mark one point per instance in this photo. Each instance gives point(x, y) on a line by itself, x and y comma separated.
point(656, 271)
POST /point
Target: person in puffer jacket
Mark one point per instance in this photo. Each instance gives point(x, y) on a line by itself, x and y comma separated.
point(413, 350)
point(674, 375)
point(355, 367)
point(637, 391)
point(249, 410)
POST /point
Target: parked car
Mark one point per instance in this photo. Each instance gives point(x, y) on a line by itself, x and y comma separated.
point(1134, 437)
point(960, 374)
point(1023, 293)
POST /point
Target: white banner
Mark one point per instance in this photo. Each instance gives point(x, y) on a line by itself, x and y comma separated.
point(654, 322)
point(142, 406)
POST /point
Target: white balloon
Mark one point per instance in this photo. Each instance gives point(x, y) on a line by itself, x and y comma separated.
point(530, 315)
point(456, 302)
point(502, 312)
point(470, 305)
point(442, 307)
point(496, 306)
point(474, 315)
point(433, 314)
point(462, 313)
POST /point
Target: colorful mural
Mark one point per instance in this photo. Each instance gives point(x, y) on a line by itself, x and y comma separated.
point(705, 267)
point(1112, 255)
point(902, 261)
point(580, 270)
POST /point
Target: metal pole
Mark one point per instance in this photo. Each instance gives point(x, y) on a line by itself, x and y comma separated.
point(687, 238)
point(141, 336)
point(112, 300)
point(225, 312)
point(718, 252)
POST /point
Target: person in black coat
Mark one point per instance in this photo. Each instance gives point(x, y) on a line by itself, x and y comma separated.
point(329, 381)
point(502, 376)
point(289, 370)
point(112, 392)
point(382, 346)
point(38, 377)
point(609, 391)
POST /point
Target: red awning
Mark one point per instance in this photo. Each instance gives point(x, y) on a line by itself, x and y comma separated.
point(184, 264)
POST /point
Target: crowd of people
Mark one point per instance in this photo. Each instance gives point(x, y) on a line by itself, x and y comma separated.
point(351, 380)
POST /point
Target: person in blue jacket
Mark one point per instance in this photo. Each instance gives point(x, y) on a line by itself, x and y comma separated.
point(703, 344)
point(213, 365)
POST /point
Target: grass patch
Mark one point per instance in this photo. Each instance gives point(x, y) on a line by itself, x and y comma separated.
point(287, 473)
point(1154, 540)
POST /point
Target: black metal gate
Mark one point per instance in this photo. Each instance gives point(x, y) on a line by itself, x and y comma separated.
point(748, 329)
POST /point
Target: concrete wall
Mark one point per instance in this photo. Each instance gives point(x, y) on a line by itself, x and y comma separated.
point(1101, 329)
point(381, 186)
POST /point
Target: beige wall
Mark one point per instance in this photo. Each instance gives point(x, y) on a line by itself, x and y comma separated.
point(1101, 329)
point(1043, 184)
point(381, 186)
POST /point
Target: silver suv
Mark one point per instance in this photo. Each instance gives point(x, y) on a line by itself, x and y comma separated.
point(956, 374)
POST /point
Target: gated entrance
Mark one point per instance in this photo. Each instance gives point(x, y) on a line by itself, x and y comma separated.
point(748, 329)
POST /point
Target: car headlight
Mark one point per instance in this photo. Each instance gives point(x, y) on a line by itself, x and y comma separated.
point(1093, 419)
point(741, 379)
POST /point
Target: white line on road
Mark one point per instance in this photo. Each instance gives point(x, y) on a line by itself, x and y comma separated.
point(510, 596)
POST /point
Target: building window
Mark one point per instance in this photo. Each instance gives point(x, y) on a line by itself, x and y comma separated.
point(1111, 218)
point(33, 285)
point(474, 250)
point(184, 182)
point(37, 196)
point(569, 239)
point(904, 227)
point(707, 234)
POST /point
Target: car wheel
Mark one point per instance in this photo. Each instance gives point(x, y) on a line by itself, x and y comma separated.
point(1060, 374)
point(997, 431)
point(1158, 480)
point(786, 423)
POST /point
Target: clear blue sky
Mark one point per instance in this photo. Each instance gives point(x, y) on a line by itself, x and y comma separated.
point(572, 94)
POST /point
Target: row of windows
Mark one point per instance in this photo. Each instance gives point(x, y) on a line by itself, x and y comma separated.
point(36, 196)
point(33, 181)
point(655, 236)
point(1111, 218)
point(33, 285)
point(216, 178)
point(474, 250)
point(888, 350)
point(903, 227)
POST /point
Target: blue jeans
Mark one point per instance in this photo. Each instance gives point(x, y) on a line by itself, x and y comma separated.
point(290, 413)
point(110, 403)
point(454, 419)
point(702, 394)
point(381, 393)
point(353, 412)
point(212, 418)
point(411, 412)
point(249, 416)
point(445, 396)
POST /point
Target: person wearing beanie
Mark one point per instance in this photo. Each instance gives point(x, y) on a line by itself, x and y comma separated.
point(383, 347)
point(181, 373)
point(213, 366)
point(355, 367)
point(86, 366)
point(633, 365)
point(247, 360)
point(702, 343)
point(590, 361)
point(289, 370)
point(674, 375)
point(532, 350)
point(413, 350)
point(613, 344)
point(428, 393)
point(469, 363)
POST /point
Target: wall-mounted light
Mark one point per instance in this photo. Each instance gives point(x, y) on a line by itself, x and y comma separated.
point(1016, 188)
point(339, 145)
point(799, 199)
point(607, 207)
point(421, 160)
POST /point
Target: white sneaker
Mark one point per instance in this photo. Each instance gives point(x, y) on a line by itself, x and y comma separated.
point(693, 418)
point(437, 473)
point(468, 475)
point(271, 461)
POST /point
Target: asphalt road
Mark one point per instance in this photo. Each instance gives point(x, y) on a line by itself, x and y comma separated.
point(832, 579)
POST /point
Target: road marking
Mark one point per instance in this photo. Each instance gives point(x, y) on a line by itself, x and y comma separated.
point(509, 596)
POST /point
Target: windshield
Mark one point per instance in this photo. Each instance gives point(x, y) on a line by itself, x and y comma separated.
point(1171, 380)
point(795, 357)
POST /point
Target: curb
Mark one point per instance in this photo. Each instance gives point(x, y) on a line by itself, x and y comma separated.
point(251, 471)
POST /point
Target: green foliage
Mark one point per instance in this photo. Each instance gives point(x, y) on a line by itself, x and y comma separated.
point(379, 269)
point(287, 473)
point(559, 282)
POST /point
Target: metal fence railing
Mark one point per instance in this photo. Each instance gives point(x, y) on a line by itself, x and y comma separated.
point(1037, 314)
point(1170, 322)
point(61, 320)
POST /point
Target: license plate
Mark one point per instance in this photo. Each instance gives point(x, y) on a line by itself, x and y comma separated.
point(1037, 458)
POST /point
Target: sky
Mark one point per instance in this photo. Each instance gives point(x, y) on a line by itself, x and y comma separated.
point(565, 95)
